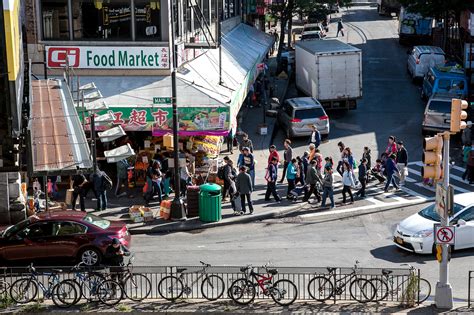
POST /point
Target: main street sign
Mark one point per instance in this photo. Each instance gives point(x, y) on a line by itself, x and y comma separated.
point(107, 57)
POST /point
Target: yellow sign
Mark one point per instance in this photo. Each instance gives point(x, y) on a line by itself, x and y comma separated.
point(11, 11)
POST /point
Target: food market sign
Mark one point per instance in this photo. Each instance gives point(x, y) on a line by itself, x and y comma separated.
point(84, 57)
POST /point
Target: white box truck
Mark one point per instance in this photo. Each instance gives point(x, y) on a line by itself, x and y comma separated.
point(330, 71)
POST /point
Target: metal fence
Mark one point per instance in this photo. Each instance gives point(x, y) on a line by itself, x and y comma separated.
point(192, 278)
point(470, 288)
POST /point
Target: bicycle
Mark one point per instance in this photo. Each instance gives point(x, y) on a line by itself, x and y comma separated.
point(172, 288)
point(242, 291)
point(25, 290)
point(412, 288)
point(322, 288)
point(137, 287)
point(86, 283)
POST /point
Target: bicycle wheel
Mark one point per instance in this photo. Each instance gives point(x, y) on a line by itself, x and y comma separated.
point(362, 290)
point(424, 290)
point(64, 294)
point(171, 288)
point(320, 288)
point(77, 286)
point(284, 292)
point(137, 287)
point(110, 292)
point(381, 289)
point(212, 287)
point(23, 290)
point(242, 291)
point(90, 284)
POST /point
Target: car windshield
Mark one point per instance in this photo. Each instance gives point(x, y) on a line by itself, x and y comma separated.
point(310, 113)
point(312, 28)
point(310, 36)
point(440, 107)
point(97, 221)
point(15, 228)
point(431, 214)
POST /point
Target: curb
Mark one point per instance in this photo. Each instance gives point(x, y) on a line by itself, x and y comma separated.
point(183, 227)
point(331, 215)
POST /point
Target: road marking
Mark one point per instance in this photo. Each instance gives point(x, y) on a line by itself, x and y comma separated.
point(349, 210)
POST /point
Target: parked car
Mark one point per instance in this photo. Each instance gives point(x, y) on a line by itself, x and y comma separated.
point(311, 35)
point(55, 235)
point(422, 58)
point(415, 233)
point(297, 116)
point(314, 27)
point(437, 115)
point(445, 80)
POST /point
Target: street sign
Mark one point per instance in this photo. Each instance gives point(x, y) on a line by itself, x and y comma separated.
point(162, 100)
point(441, 200)
point(444, 234)
point(444, 200)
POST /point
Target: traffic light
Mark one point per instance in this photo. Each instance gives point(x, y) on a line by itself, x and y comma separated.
point(432, 157)
point(458, 115)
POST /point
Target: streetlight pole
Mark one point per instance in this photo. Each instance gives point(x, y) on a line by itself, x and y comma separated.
point(177, 211)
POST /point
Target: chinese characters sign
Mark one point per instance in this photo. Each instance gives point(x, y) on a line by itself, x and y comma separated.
point(192, 120)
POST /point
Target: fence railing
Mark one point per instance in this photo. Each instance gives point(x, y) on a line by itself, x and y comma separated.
point(394, 285)
point(470, 288)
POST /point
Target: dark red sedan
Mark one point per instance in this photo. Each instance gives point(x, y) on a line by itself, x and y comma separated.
point(61, 234)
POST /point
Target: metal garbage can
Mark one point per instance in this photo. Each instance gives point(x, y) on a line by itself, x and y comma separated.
point(210, 203)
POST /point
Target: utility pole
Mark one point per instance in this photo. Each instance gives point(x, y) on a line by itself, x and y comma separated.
point(177, 211)
point(444, 291)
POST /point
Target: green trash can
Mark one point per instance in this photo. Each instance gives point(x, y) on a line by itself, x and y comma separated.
point(210, 203)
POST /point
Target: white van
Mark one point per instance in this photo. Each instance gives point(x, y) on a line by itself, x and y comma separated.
point(422, 58)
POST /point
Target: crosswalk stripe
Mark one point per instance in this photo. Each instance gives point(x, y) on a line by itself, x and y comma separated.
point(414, 193)
point(425, 187)
point(410, 180)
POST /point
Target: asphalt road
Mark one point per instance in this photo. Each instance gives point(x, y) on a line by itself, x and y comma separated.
point(288, 242)
point(391, 103)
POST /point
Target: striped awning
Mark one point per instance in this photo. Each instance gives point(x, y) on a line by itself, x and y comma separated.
point(57, 141)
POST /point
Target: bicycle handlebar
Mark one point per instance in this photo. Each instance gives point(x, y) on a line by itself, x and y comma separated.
point(205, 264)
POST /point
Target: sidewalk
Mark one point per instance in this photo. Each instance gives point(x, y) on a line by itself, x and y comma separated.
point(250, 118)
point(228, 307)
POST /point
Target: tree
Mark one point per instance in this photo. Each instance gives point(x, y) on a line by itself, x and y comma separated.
point(438, 9)
point(284, 11)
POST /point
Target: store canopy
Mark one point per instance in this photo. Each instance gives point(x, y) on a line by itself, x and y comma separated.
point(206, 102)
point(57, 141)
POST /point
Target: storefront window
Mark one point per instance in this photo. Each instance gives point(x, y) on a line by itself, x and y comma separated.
point(105, 20)
point(147, 20)
point(54, 14)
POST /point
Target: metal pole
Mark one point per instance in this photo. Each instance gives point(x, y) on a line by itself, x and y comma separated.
point(177, 207)
point(93, 141)
point(444, 294)
point(45, 180)
point(219, 42)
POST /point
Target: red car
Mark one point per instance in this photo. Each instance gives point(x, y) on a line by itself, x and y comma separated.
point(61, 234)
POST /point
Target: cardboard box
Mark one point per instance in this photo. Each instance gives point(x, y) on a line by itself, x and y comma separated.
point(137, 219)
point(168, 140)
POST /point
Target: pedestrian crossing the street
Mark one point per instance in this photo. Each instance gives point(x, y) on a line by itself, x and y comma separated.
point(413, 192)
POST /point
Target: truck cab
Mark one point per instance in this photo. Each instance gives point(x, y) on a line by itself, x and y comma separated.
point(445, 80)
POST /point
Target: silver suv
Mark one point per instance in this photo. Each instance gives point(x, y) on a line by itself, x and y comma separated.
point(437, 116)
point(297, 115)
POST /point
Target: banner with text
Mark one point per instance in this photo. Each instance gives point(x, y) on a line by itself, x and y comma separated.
point(108, 57)
point(193, 121)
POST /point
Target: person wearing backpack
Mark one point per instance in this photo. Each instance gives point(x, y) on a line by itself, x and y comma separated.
point(100, 186)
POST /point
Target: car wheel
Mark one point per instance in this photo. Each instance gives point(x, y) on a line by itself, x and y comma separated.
point(90, 256)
